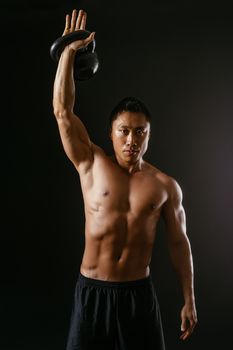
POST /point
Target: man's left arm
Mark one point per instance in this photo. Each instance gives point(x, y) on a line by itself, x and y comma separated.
point(181, 255)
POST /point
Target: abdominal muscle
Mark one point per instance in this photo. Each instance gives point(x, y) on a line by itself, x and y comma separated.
point(118, 247)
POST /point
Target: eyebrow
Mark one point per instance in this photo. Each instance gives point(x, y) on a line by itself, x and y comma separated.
point(137, 127)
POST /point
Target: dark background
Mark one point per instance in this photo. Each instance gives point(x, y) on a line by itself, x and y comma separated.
point(177, 57)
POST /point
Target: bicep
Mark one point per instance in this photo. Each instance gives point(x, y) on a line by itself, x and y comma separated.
point(75, 140)
point(174, 215)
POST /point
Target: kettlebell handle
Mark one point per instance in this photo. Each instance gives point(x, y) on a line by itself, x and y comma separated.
point(59, 44)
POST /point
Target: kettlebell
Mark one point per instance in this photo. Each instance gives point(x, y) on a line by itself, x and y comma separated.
point(86, 62)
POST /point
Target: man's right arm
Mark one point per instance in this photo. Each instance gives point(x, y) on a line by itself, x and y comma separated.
point(74, 136)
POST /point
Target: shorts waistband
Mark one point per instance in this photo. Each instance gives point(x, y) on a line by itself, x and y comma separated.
point(87, 281)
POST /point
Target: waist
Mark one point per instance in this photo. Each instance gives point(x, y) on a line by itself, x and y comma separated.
point(114, 272)
point(87, 281)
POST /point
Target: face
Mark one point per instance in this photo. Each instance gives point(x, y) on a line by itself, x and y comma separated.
point(130, 135)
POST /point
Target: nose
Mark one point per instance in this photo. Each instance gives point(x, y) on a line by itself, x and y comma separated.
point(130, 141)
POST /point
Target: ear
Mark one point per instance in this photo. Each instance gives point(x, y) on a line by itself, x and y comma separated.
point(110, 133)
point(149, 133)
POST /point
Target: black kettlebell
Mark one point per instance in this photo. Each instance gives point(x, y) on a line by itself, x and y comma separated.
point(86, 61)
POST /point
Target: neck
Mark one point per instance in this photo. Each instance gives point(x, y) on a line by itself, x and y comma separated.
point(129, 167)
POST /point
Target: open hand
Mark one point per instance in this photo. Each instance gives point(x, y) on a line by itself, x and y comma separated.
point(74, 23)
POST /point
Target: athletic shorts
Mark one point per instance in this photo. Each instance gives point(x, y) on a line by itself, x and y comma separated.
point(110, 315)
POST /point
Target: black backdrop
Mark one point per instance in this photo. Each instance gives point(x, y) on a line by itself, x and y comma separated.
point(177, 57)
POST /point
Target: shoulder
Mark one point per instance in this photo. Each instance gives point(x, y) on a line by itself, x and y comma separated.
point(100, 156)
point(96, 149)
point(170, 184)
point(87, 166)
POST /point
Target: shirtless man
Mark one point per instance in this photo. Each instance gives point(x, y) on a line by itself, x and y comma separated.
point(115, 304)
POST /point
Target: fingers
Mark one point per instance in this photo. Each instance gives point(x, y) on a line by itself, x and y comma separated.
point(187, 331)
point(80, 22)
point(184, 329)
point(183, 324)
point(90, 37)
point(76, 21)
point(83, 21)
point(67, 25)
point(79, 19)
point(73, 20)
point(188, 320)
point(185, 335)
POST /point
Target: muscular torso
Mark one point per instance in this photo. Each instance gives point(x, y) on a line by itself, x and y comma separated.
point(122, 211)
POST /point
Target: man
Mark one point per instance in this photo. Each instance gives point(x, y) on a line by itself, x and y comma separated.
point(115, 304)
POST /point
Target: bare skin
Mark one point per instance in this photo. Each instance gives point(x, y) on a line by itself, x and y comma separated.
point(124, 196)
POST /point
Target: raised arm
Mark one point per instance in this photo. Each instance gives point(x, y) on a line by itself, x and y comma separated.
point(74, 136)
point(180, 252)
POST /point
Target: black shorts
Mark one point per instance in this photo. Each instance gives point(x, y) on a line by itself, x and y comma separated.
point(110, 315)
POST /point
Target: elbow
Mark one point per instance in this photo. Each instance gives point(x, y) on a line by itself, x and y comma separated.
point(60, 112)
point(182, 240)
point(59, 109)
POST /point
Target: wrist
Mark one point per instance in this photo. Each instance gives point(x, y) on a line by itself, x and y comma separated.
point(190, 300)
point(69, 49)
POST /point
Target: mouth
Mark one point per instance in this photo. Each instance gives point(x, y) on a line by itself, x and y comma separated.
point(131, 152)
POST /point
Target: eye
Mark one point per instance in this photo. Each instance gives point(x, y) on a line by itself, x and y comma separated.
point(139, 132)
point(124, 131)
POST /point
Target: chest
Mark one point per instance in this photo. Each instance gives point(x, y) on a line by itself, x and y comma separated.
point(115, 190)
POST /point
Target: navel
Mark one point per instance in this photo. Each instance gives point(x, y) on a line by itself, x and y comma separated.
point(105, 193)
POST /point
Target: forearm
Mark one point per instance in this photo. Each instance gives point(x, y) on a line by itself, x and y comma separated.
point(182, 261)
point(64, 86)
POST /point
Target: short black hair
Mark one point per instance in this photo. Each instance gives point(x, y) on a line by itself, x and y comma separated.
point(131, 104)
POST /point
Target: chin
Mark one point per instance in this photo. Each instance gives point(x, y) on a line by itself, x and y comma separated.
point(132, 160)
